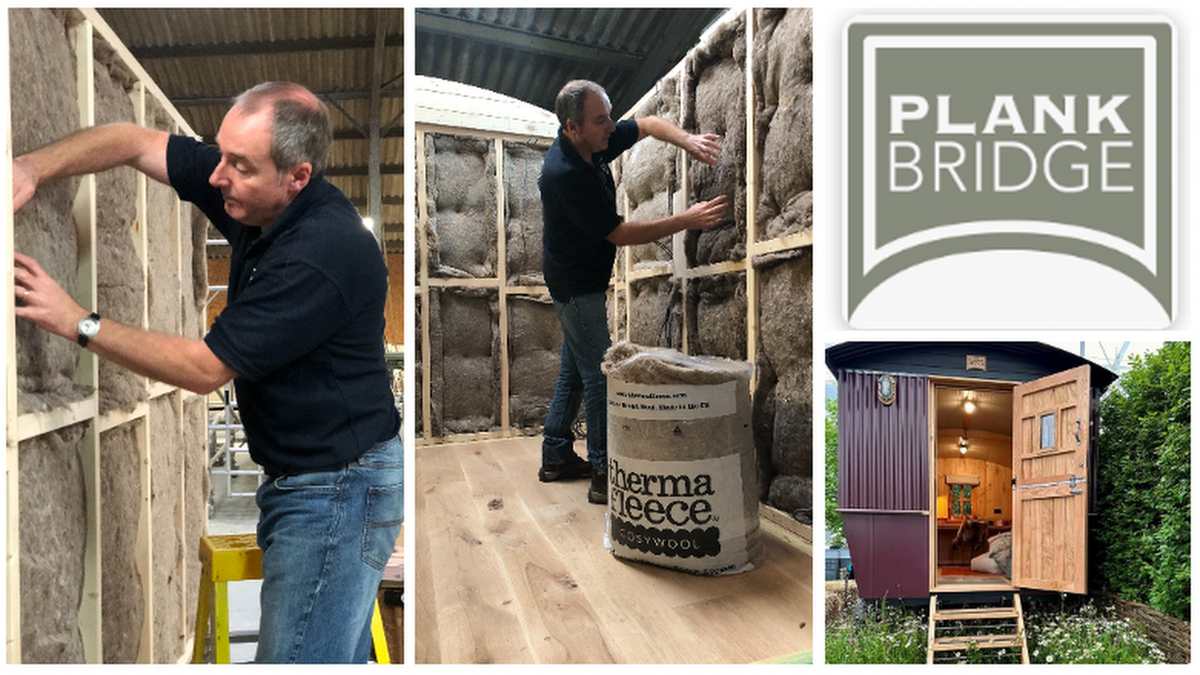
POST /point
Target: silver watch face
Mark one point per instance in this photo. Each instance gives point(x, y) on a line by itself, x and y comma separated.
point(89, 327)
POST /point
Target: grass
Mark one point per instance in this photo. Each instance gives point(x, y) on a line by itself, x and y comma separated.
point(1087, 634)
point(1057, 631)
point(876, 633)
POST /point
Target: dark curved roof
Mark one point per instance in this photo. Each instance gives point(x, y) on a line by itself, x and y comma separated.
point(1021, 361)
point(529, 53)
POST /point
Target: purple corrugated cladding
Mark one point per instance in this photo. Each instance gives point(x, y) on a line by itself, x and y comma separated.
point(883, 451)
point(890, 554)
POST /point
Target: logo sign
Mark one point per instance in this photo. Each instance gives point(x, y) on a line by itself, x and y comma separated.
point(976, 362)
point(1025, 164)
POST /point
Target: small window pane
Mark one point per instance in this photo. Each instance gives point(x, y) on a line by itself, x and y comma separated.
point(1047, 431)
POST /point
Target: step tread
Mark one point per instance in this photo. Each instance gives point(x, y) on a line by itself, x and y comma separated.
point(945, 644)
point(975, 613)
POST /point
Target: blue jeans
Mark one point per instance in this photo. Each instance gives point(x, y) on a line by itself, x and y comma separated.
point(326, 537)
point(584, 324)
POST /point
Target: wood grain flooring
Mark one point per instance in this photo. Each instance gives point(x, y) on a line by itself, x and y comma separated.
point(510, 570)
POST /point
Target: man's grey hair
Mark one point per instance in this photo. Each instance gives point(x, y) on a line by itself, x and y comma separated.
point(301, 130)
point(568, 105)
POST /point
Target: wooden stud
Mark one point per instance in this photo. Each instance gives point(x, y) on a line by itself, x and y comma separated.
point(122, 52)
point(652, 271)
point(452, 130)
point(38, 423)
point(87, 371)
point(679, 204)
point(627, 260)
point(423, 280)
point(751, 202)
point(501, 281)
point(145, 545)
point(141, 235)
point(527, 290)
point(785, 243)
point(463, 282)
point(12, 474)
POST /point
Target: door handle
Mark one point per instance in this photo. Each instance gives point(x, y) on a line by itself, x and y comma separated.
point(1078, 431)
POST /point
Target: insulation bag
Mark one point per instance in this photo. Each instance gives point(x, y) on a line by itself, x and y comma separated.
point(682, 467)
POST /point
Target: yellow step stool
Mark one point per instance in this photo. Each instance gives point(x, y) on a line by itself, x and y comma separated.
point(237, 557)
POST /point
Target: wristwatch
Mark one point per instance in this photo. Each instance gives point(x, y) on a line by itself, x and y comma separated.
point(89, 326)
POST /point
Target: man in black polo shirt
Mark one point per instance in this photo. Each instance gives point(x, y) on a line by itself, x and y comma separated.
point(301, 335)
point(581, 232)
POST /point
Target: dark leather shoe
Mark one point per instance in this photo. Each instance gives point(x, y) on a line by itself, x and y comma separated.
point(598, 490)
point(580, 468)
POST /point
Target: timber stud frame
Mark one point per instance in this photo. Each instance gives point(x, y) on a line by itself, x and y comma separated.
point(626, 277)
point(22, 427)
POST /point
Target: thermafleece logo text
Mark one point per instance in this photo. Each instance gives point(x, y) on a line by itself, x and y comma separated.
point(667, 514)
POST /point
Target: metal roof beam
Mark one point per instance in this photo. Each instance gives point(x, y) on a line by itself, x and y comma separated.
point(437, 23)
point(192, 101)
point(662, 56)
point(261, 47)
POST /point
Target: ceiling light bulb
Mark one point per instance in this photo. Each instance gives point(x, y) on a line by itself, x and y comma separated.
point(368, 222)
point(962, 449)
point(968, 406)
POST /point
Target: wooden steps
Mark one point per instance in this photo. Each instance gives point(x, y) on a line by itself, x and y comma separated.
point(964, 642)
point(963, 628)
point(970, 614)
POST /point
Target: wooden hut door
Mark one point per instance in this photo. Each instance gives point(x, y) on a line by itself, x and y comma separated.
point(1051, 425)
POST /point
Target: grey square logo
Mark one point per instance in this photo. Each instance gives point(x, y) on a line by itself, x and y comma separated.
point(1010, 173)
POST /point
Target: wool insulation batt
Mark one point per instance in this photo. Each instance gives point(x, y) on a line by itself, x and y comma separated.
point(682, 466)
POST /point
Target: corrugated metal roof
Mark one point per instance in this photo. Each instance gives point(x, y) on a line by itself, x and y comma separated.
point(530, 53)
point(1023, 361)
point(201, 58)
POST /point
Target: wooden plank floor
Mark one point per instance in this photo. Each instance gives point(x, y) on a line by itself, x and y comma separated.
point(510, 570)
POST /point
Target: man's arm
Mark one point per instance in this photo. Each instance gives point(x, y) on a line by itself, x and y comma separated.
point(88, 151)
point(702, 147)
point(701, 216)
point(178, 361)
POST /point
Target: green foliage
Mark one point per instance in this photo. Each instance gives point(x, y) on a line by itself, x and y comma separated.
point(1087, 635)
point(1141, 534)
point(833, 519)
point(877, 634)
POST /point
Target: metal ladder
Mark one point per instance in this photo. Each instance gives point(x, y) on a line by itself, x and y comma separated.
point(961, 629)
point(225, 419)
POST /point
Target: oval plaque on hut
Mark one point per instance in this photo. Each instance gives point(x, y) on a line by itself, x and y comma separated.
point(886, 389)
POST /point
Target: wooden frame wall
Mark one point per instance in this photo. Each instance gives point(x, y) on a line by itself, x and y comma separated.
point(499, 282)
point(678, 267)
point(626, 276)
point(21, 427)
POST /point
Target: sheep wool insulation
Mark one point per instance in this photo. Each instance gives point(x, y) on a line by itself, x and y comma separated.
point(682, 470)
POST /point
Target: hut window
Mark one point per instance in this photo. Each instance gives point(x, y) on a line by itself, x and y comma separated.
point(1047, 431)
point(960, 500)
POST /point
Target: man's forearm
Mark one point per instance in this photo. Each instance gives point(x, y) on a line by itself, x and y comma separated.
point(663, 130)
point(175, 360)
point(646, 231)
point(98, 149)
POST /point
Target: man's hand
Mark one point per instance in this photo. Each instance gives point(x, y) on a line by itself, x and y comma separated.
point(703, 148)
point(707, 215)
point(41, 300)
point(24, 182)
